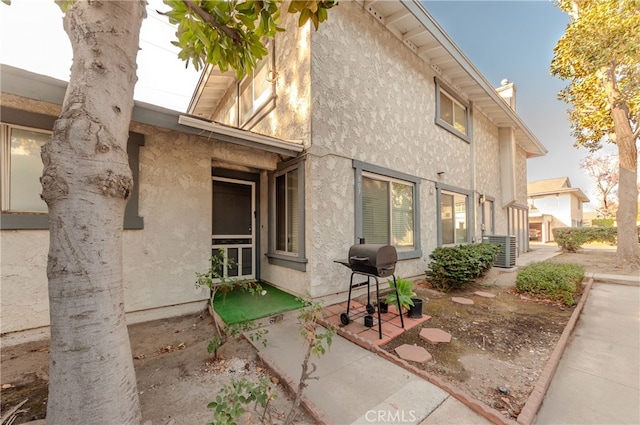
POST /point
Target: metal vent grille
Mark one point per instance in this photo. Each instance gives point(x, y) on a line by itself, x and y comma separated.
point(507, 255)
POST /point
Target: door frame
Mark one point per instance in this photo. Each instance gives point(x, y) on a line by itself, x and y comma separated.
point(252, 179)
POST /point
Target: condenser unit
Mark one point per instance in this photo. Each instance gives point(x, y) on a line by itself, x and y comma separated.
point(507, 255)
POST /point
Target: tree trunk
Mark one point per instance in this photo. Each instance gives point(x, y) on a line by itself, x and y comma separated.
point(628, 248)
point(86, 184)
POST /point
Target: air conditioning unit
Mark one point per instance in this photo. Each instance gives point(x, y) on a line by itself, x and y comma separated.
point(507, 255)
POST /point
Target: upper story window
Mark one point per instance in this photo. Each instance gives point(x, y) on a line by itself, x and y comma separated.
point(452, 113)
point(257, 92)
point(387, 209)
point(22, 168)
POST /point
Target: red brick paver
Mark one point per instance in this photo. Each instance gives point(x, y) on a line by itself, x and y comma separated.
point(461, 300)
point(435, 335)
point(413, 353)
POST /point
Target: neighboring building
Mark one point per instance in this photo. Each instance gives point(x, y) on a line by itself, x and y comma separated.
point(376, 127)
point(554, 203)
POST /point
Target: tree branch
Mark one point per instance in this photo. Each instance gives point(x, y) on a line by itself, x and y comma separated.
point(207, 17)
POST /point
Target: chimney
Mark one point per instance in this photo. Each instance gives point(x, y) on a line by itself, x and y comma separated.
point(507, 91)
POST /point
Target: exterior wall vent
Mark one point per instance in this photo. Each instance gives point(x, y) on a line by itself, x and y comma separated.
point(507, 255)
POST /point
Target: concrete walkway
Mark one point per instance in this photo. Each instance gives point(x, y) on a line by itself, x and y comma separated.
point(598, 378)
point(356, 386)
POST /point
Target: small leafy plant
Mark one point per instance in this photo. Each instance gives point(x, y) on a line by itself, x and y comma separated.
point(405, 291)
point(214, 279)
point(550, 280)
point(230, 403)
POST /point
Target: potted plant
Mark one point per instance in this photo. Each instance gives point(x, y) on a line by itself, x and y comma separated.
point(404, 290)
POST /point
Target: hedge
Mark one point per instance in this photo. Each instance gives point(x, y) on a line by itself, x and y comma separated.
point(550, 280)
point(571, 239)
point(454, 267)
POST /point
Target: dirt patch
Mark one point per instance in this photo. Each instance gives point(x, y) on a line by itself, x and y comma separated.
point(499, 345)
point(176, 375)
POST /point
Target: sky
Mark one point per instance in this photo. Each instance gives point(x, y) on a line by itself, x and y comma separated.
point(515, 39)
point(511, 39)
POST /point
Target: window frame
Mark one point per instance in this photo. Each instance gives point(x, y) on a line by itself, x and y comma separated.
point(440, 188)
point(296, 261)
point(6, 161)
point(361, 170)
point(257, 113)
point(442, 89)
point(40, 220)
point(490, 203)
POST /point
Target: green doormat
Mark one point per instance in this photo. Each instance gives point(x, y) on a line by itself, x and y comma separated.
point(240, 306)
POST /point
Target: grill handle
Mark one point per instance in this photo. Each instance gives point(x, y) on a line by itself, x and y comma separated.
point(359, 258)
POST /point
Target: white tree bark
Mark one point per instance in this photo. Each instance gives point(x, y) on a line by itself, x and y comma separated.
point(86, 184)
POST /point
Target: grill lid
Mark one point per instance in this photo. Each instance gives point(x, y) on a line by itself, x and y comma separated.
point(375, 259)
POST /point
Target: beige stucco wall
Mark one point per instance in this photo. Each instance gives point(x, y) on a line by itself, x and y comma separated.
point(159, 261)
point(374, 100)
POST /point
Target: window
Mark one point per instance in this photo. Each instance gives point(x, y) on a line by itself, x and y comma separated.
point(452, 114)
point(287, 212)
point(286, 246)
point(453, 213)
point(256, 95)
point(488, 216)
point(386, 209)
point(22, 169)
point(22, 134)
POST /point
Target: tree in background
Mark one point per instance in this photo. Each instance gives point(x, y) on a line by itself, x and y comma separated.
point(600, 55)
point(603, 169)
point(87, 182)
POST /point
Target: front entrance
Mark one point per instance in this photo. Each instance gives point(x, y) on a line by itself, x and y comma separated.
point(234, 224)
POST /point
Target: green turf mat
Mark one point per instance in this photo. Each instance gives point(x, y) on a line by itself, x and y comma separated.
point(240, 306)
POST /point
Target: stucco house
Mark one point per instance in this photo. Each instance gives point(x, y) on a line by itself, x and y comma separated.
point(554, 203)
point(377, 128)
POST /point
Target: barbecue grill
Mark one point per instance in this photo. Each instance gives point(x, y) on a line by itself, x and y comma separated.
point(372, 261)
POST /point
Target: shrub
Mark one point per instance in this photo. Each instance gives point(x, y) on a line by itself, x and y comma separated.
point(552, 281)
point(603, 222)
point(571, 239)
point(453, 267)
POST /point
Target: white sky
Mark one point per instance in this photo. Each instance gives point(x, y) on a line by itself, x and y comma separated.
point(32, 38)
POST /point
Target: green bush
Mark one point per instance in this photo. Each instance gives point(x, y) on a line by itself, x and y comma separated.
point(454, 267)
point(571, 239)
point(550, 280)
point(603, 222)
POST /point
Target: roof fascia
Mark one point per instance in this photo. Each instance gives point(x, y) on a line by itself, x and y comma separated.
point(241, 137)
point(418, 10)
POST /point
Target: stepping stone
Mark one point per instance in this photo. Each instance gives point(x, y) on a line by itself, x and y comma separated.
point(434, 335)
point(413, 353)
point(485, 294)
point(461, 300)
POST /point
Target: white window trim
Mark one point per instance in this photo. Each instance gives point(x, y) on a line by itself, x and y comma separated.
point(257, 113)
point(450, 190)
point(441, 88)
